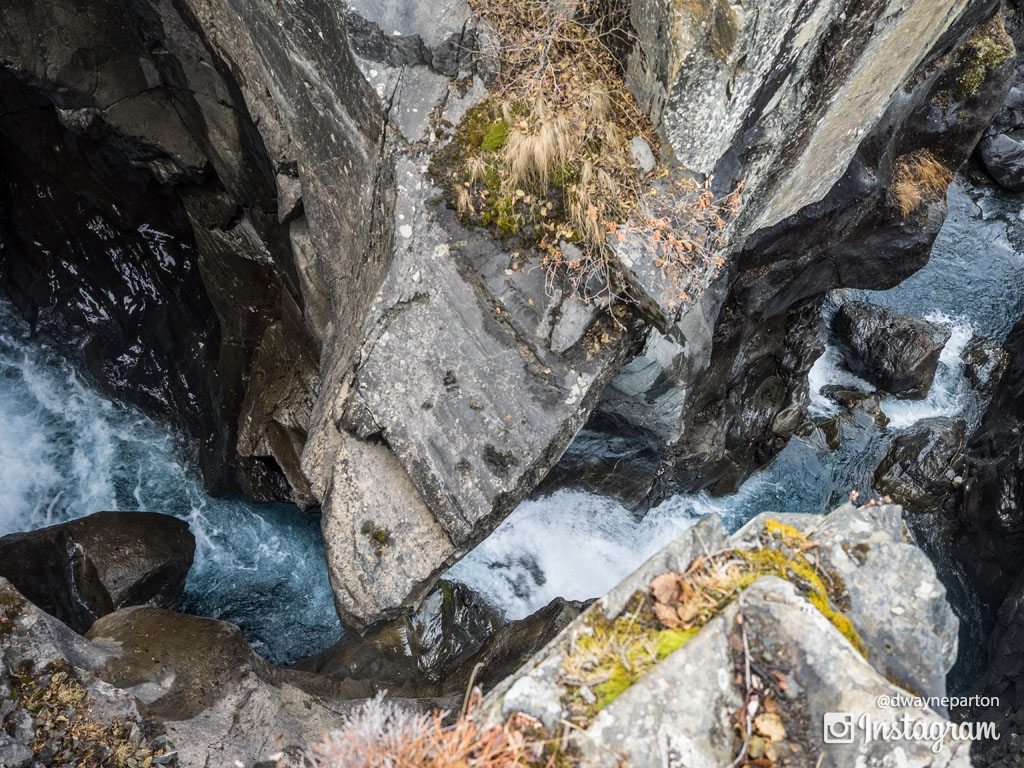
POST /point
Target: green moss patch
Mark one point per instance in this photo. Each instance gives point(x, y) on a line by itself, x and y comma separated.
point(986, 50)
point(607, 656)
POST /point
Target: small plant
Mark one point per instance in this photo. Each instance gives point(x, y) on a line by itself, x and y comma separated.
point(986, 49)
point(546, 156)
point(382, 734)
point(607, 657)
point(66, 729)
point(919, 177)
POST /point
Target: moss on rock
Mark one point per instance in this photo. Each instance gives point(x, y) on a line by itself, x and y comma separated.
point(986, 50)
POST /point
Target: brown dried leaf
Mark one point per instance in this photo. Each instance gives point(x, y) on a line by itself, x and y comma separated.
point(769, 725)
point(665, 587)
point(667, 616)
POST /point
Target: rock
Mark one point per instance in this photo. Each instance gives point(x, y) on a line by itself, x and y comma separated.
point(1001, 684)
point(643, 155)
point(806, 668)
point(363, 353)
point(460, 333)
point(210, 127)
point(217, 700)
point(415, 653)
point(451, 638)
point(988, 528)
point(984, 364)
point(87, 568)
point(897, 353)
point(44, 660)
point(1001, 150)
point(924, 467)
point(749, 329)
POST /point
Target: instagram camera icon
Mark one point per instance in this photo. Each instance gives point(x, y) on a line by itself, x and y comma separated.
point(838, 728)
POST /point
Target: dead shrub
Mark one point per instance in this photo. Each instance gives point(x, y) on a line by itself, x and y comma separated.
point(382, 734)
point(919, 177)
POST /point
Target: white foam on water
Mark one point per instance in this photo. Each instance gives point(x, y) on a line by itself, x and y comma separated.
point(949, 392)
point(571, 544)
point(829, 370)
point(67, 451)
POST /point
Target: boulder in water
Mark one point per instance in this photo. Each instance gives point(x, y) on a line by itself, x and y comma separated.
point(897, 353)
point(924, 466)
point(87, 568)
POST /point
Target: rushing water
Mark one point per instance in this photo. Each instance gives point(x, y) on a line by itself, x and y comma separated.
point(578, 545)
point(66, 451)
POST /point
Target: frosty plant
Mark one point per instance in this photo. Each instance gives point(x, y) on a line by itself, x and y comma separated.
point(382, 734)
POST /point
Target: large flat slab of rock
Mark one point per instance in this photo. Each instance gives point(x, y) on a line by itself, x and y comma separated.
point(464, 396)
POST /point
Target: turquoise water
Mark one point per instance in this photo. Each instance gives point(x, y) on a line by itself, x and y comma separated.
point(67, 451)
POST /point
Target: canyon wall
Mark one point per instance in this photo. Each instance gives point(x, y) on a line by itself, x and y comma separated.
point(232, 212)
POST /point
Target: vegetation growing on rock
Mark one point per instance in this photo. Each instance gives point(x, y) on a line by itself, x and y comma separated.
point(68, 731)
point(986, 49)
point(382, 733)
point(919, 177)
point(609, 656)
point(546, 156)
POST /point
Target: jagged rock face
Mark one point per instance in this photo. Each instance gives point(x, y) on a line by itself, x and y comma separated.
point(896, 353)
point(87, 568)
point(225, 147)
point(691, 386)
point(791, 89)
point(989, 532)
point(923, 469)
point(363, 352)
point(896, 603)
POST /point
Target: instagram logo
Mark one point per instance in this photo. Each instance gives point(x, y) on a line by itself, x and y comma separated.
point(838, 727)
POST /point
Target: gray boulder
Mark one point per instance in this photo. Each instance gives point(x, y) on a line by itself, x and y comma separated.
point(801, 663)
point(87, 568)
point(897, 353)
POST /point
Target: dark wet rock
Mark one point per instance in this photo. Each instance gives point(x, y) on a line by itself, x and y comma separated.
point(452, 637)
point(514, 644)
point(177, 247)
point(1001, 149)
point(857, 401)
point(984, 364)
point(610, 457)
point(895, 352)
point(989, 526)
point(924, 467)
point(87, 568)
point(1003, 682)
point(415, 653)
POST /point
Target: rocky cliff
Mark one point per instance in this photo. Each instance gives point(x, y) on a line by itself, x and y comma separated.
point(233, 214)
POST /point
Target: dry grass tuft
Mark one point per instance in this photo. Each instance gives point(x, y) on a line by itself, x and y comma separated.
point(382, 734)
point(546, 156)
point(919, 177)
